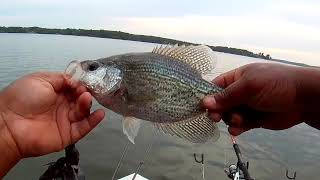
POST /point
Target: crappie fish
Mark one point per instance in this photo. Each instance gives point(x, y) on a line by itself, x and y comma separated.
point(164, 86)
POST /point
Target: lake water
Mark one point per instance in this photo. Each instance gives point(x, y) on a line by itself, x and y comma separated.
point(270, 153)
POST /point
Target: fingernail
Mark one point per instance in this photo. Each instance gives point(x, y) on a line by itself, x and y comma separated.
point(216, 117)
point(209, 102)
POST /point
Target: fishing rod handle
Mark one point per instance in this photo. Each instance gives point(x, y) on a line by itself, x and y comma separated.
point(245, 172)
point(241, 165)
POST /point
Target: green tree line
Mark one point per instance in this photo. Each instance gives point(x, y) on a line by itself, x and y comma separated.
point(125, 36)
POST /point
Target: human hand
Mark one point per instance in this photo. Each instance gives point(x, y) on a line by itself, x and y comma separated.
point(44, 113)
point(269, 91)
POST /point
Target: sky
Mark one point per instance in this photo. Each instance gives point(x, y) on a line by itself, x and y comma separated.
point(285, 29)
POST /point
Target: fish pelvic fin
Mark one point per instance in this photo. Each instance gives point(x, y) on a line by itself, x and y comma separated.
point(200, 57)
point(198, 129)
point(131, 126)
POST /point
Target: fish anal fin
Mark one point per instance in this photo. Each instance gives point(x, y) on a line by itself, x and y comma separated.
point(198, 129)
point(131, 126)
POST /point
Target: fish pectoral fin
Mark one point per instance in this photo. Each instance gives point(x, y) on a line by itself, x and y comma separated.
point(200, 57)
point(131, 126)
point(198, 129)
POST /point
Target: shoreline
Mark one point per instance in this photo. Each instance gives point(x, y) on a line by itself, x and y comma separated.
point(118, 35)
point(126, 36)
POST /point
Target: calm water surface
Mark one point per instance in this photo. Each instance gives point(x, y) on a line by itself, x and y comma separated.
point(270, 153)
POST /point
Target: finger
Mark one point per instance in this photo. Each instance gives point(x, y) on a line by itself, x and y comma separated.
point(233, 119)
point(209, 102)
point(273, 121)
point(73, 89)
point(237, 131)
point(236, 120)
point(70, 83)
point(81, 108)
point(243, 120)
point(56, 79)
point(234, 95)
point(279, 121)
point(80, 90)
point(226, 79)
point(276, 121)
point(216, 117)
point(82, 128)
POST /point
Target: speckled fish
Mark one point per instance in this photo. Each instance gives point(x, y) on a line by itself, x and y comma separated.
point(164, 86)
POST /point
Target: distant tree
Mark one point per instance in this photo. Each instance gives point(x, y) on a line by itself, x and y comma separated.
point(125, 36)
point(268, 56)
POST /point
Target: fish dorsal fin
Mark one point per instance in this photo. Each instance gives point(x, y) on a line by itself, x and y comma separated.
point(198, 129)
point(199, 57)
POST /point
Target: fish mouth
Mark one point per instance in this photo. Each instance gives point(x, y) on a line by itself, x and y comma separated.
point(74, 69)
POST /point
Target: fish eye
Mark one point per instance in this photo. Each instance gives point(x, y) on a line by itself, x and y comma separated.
point(93, 66)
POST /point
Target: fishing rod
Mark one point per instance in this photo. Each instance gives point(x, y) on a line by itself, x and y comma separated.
point(237, 171)
point(240, 170)
point(142, 162)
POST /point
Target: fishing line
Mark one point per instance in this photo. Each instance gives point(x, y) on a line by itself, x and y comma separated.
point(147, 154)
point(124, 153)
point(225, 147)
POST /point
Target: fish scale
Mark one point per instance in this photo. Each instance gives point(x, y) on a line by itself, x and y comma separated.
point(164, 87)
point(180, 90)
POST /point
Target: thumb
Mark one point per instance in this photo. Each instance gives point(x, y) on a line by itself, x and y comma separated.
point(234, 95)
point(56, 79)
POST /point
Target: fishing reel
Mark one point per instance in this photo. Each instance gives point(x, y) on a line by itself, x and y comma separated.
point(240, 170)
point(65, 168)
point(234, 172)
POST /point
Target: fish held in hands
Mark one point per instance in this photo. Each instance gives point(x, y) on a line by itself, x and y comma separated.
point(164, 86)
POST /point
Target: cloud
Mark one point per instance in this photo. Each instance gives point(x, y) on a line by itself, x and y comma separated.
point(216, 26)
point(300, 8)
point(285, 29)
point(275, 34)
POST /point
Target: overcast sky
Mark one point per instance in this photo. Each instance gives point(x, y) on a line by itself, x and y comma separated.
point(286, 29)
